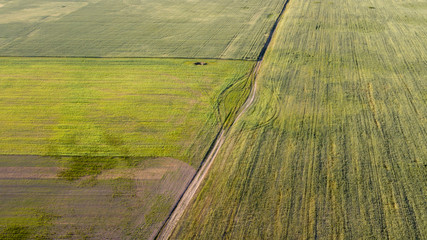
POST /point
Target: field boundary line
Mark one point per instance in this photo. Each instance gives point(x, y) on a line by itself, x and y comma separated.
point(186, 197)
point(171, 58)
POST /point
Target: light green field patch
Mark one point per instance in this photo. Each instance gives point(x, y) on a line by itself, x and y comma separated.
point(48, 11)
point(116, 107)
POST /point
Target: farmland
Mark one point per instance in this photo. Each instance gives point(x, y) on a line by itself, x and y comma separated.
point(335, 146)
point(105, 118)
point(86, 142)
point(116, 107)
point(121, 203)
point(136, 28)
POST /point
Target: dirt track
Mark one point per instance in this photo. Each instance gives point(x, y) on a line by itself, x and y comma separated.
point(166, 231)
point(178, 211)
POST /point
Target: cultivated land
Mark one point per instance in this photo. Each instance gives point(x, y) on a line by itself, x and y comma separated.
point(116, 107)
point(121, 203)
point(335, 146)
point(128, 132)
point(136, 28)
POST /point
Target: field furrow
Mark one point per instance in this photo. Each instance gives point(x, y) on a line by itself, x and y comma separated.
point(103, 148)
point(335, 144)
point(163, 28)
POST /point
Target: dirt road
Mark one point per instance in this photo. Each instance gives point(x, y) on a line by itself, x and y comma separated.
point(166, 231)
point(178, 211)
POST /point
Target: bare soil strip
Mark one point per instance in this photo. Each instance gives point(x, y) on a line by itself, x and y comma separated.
point(157, 171)
point(29, 172)
point(166, 231)
point(150, 169)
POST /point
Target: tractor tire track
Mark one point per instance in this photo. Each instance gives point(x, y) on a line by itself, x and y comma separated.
point(178, 210)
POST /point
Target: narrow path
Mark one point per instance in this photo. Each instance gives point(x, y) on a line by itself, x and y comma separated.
point(169, 225)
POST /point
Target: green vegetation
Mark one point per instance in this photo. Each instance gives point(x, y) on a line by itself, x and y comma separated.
point(80, 166)
point(159, 210)
point(92, 108)
point(231, 99)
point(112, 127)
point(335, 146)
point(136, 28)
point(15, 232)
point(130, 205)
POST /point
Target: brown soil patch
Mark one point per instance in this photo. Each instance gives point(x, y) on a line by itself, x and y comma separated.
point(151, 169)
point(134, 173)
point(28, 172)
point(101, 210)
point(29, 159)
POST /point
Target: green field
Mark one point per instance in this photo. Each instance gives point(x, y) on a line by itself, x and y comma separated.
point(116, 107)
point(335, 146)
point(129, 133)
point(136, 28)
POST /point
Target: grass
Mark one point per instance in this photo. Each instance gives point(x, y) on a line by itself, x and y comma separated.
point(335, 146)
point(159, 210)
point(15, 232)
point(135, 28)
point(80, 166)
point(120, 207)
point(91, 108)
point(81, 118)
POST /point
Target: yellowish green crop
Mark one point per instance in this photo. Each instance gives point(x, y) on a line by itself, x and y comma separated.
point(115, 107)
point(335, 146)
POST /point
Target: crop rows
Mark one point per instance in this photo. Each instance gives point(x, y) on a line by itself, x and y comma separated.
point(115, 107)
point(42, 206)
point(335, 146)
point(136, 28)
point(122, 134)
